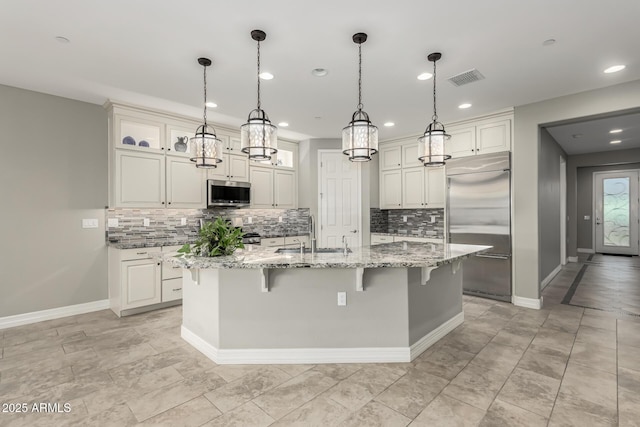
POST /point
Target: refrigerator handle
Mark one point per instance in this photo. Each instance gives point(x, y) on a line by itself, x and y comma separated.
point(493, 256)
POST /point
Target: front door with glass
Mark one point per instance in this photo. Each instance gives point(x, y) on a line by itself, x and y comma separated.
point(616, 212)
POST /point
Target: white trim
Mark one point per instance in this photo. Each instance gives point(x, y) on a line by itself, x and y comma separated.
point(434, 336)
point(527, 302)
point(260, 356)
point(586, 251)
point(572, 259)
point(563, 211)
point(53, 313)
point(550, 277)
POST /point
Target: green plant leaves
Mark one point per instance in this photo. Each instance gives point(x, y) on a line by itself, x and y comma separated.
point(216, 238)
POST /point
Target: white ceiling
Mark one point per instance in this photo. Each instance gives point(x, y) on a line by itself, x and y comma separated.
point(145, 52)
point(593, 135)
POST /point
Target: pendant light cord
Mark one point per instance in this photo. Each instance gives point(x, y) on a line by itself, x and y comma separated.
point(205, 99)
point(258, 75)
point(435, 112)
point(359, 76)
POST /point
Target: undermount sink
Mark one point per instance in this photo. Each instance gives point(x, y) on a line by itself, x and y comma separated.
point(308, 250)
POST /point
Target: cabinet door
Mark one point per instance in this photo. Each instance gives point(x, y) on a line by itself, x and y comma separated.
point(410, 155)
point(170, 271)
point(140, 283)
point(284, 189)
point(391, 189)
point(413, 188)
point(261, 187)
point(139, 132)
point(139, 180)
point(234, 145)
point(493, 137)
point(390, 157)
point(179, 139)
point(287, 155)
point(462, 142)
point(172, 289)
point(435, 187)
point(185, 184)
point(238, 168)
point(378, 240)
point(221, 171)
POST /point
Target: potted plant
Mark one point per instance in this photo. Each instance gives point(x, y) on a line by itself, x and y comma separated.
point(217, 238)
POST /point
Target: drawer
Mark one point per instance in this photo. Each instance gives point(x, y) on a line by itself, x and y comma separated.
point(376, 239)
point(131, 254)
point(296, 240)
point(170, 271)
point(171, 289)
point(409, 239)
point(272, 241)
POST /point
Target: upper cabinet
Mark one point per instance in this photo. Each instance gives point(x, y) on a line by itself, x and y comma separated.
point(274, 182)
point(488, 135)
point(404, 182)
point(149, 164)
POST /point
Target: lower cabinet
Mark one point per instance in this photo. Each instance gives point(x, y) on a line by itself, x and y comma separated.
point(137, 282)
point(378, 239)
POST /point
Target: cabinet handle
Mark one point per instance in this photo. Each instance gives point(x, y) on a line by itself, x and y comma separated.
point(398, 164)
point(162, 148)
point(168, 149)
point(169, 202)
point(477, 149)
point(398, 204)
point(163, 203)
point(158, 263)
point(140, 253)
point(177, 289)
point(472, 150)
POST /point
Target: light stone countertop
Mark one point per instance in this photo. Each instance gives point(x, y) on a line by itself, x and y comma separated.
point(405, 254)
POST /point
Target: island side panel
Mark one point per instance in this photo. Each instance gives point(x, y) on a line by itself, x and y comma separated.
point(200, 305)
point(301, 311)
point(433, 304)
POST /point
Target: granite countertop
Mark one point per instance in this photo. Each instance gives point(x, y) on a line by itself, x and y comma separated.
point(409, 235)
point(405, 254)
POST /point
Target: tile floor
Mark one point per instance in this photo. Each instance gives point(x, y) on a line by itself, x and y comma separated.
point(506, 366)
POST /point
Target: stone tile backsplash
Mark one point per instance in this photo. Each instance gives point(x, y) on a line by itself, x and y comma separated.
point(420, 222)
point(165, 225)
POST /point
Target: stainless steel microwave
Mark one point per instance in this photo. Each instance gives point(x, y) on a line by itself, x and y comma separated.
point(228, 193)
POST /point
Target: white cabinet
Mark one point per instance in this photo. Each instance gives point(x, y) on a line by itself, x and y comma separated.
point(409, 185)
point(296, 240)
point(377, 239)
point(232, 168)
point(390, 189)
point(186, 185)
point(138, 282)
point(479, 137)
point(274, 182)
point(272, 242)
point(139, 179)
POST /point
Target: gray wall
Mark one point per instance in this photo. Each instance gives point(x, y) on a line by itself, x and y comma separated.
point(526, 146)
point(584, 186)
point(53, 170)
point(549, 203)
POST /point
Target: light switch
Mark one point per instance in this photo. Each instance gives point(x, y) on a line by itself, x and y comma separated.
point(183, 221)
point(249, 220)
point(145, 222)
point(279, 219)
point(404, 218)
point(90, 223)
point(342, 298)
point(112, 222)
point(587, 217)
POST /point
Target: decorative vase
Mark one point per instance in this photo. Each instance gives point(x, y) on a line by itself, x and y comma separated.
point(181, 145)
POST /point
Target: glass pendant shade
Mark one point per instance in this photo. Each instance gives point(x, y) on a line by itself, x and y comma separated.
point(207, 147)
point(258, 137)
point(431, 145)
point(360, 138)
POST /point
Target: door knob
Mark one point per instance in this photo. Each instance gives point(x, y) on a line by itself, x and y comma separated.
point(598, 221)
point(354, 231)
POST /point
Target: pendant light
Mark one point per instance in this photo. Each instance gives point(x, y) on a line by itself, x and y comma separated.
point(205, 144)
point(258, 137)
point(360, 137)
point(431, 144)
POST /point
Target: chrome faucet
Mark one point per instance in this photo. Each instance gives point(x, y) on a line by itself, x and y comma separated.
point(312, 233)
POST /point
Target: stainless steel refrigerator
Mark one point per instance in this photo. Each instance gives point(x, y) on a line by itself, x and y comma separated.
point(479, 213)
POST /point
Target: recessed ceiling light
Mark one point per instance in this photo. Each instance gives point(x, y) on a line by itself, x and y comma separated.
point(211, 104)
point(615, 131)
point(615, 69)
point(319, 72)
point(62, 39)
point(617, 141)
point(265, 76)
point(283, 124)
point(465, 105)
point(389, 124)
point(576, 135)
point(425, 76)
point(549, 42)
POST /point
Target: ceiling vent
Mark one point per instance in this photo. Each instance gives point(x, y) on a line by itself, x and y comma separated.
point(466, 77)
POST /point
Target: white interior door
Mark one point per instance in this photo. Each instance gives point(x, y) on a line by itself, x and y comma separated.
point(339, 201)
point(616, 212)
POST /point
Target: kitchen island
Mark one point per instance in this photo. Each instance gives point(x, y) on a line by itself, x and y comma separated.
point(385, 303)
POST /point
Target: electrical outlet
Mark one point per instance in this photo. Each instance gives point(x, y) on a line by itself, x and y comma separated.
point(146, 222)
point(587, 217)
point(90, 223)
point(404, 218)
point(183, 221)
point(279, 219)
point(342, 298)
point(112, 222)
point(249, 220)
